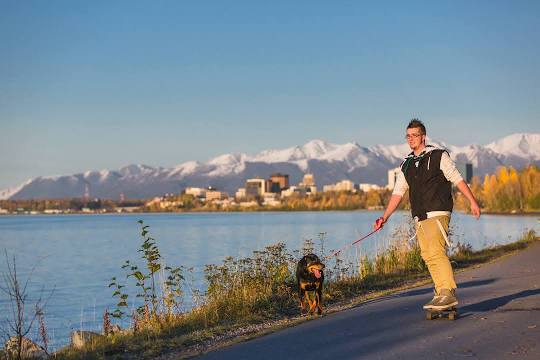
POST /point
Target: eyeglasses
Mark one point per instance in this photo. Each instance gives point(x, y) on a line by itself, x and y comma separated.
point(412, 136)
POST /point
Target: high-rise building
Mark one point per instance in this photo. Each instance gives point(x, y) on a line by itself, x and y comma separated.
point(255, 187)
point(308, 180)
point(278, 182)
point(307, 185)
point(466, 170)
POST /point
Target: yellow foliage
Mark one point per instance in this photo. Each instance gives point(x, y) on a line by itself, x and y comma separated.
point(503, 175)
point(509, 189)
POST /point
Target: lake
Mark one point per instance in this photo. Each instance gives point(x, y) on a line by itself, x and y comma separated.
point(78, 254)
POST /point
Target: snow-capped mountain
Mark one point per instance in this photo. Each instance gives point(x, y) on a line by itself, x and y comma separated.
point(328, 162)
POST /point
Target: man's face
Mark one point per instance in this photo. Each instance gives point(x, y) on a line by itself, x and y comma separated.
point(414, 137)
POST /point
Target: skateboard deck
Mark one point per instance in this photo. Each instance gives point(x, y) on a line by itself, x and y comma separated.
point(450, 313)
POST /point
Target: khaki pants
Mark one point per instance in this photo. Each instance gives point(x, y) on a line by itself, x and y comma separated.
point(433, 249)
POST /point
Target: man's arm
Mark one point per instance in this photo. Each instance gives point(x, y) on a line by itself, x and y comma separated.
point(464, 188)
point(449, 170)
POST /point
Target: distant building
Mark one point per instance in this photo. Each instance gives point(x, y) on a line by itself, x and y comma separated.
point(327, 188)
point(343, 185)
point(224, 203)
point(212, 195)
point(270, 199)
point(164, 202)
point(369, 187)
point(308, 180)
point(196, 192)
point(466, 170)
point(255, 187)
point(240, 194)
point(392, 176)
point(281, 179)
point(292, 190)
point(277, 183)
point(307, 186)
point(297, 190)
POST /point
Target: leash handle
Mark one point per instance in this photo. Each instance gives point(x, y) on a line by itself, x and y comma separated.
point(379, 223)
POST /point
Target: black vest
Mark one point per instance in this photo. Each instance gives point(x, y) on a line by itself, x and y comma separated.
point(429, 190)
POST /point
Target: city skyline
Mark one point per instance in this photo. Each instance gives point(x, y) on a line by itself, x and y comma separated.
point(103, 85)
point(328, 162)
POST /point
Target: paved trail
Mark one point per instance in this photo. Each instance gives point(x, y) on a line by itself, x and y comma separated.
point(499, 319)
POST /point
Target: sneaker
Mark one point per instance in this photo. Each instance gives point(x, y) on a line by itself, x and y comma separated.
point(429, 305)
point(446, 300)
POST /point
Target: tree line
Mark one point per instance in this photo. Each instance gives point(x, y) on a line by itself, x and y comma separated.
point(74, 204)
point(507, 190)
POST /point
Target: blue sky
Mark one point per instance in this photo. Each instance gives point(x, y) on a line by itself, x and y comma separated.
point(102, 84)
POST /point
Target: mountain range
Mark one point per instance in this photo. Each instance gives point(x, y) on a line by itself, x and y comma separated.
point(328, 163)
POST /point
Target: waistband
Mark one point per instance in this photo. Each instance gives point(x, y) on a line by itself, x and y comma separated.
point(432, 214)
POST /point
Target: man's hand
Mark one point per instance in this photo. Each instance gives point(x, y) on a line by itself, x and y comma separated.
point(475, 209)
point(378, 223)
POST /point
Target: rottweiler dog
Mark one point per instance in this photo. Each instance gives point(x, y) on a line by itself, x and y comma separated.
point(310, 278)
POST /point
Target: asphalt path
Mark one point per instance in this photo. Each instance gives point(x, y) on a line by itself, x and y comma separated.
point(499, 318)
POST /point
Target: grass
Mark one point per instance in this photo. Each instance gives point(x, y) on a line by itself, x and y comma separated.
point(250, 296)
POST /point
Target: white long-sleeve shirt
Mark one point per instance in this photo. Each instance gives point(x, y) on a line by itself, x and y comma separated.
point(451, 173)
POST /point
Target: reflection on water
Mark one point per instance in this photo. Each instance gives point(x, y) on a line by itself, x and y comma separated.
point(78, 254)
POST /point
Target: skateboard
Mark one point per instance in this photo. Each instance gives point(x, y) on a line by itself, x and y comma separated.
point(450, 313)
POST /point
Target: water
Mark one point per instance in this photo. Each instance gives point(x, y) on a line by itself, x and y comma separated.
point(76, 255)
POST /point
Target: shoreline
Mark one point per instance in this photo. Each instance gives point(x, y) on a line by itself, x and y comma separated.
point(531, 213)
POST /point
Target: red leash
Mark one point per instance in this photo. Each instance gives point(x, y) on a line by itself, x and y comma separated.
point(335, 253)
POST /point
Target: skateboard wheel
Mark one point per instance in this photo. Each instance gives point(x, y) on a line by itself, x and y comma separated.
point(429, 316)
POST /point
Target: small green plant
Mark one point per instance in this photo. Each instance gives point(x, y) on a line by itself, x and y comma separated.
point(155, 301)
point(122, 298)
point(366, 267)
point(414, 261)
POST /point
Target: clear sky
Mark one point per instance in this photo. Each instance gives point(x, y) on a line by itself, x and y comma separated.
point(102, 84)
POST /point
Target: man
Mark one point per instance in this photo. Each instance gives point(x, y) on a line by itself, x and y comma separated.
point(428, 173)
